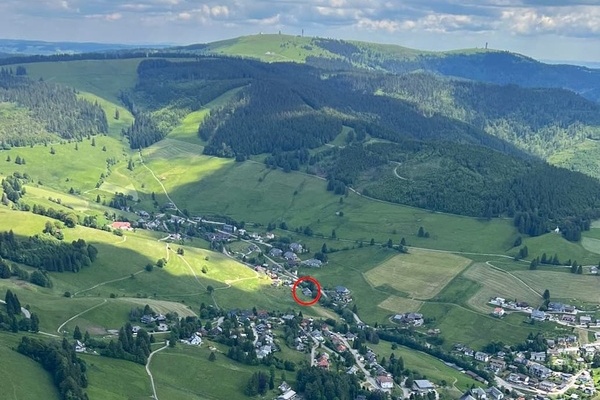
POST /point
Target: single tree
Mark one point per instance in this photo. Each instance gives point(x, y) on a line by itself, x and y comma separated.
point(546, 294)
point(421, 232)
point(324, 248)
point(117, 115)
point(98, 200)
point(210, 289)
point(390, 244)
point(8, 158)
point(94, 142)
point(372, 242)
point(77, 333)
point(212, 356)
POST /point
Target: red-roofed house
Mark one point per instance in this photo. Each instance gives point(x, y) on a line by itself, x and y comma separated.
point(385, 382)
point(121, 225)
point(498, 311)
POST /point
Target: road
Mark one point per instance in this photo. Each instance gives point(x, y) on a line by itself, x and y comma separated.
point(360, 364)
point(104, 283)
point(154, 396)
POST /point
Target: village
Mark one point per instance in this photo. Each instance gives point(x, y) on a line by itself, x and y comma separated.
point(518, 373)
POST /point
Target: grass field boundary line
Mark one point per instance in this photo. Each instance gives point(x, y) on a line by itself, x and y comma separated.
point(80, 314)
point(154, 395)
point(488, 263)
point(106, 282)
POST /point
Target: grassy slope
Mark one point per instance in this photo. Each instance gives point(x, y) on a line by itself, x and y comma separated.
point(195, 376)
point(111, 379)
point(270, 48)
point(105, 78)
point(23, 378)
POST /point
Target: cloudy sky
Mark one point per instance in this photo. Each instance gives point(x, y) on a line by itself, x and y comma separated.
point(544, 29)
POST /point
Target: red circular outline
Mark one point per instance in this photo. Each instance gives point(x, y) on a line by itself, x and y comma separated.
point(295, 286)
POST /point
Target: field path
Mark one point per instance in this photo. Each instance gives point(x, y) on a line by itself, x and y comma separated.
point(396, 171)
point(105, 282)
point(513, 276)
point(80, 314)
point(154, 396)
point(160, 183)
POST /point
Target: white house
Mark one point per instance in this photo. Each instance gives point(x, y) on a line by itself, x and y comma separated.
point(538, 356)
point(499, 312)
point(422, 386)
point(481, 356)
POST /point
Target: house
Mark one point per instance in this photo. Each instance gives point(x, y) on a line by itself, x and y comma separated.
point(538, 315)
point(385, 382)
point(296, 247)
point(547, 386)
point(342, 290)
point(497, 365)
point(195, 340)
point(481, 356)
point(478, 393)
point(538, 356)
point(290, 256)
point(121, 225)
point(422, 386)
point(312, 263)
point(494, 393)
point(556, 307)
point(499, 312)
point(539, 371)
point(568, 318)
point(323, 363)
point(135, 328)
point(352, 370)
point(275, 252)
point(229, 228)
point(162, 327)
point(284, 387)
point(307, 292)
point(79, 347)
point(147, 319)
point(289, 395)
point(585, 319)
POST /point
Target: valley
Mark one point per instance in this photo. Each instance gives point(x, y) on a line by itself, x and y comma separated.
point(187, 226)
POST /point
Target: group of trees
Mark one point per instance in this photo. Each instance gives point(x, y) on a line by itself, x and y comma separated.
point(127, 347)
point(60, 360)
point(14, 320)
point(47, 254)
point(38, 277)
point(56, 107)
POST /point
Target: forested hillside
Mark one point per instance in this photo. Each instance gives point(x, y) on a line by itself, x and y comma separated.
point(53, 111)
point(539, 121)
point(470, 180)
point(492, 66)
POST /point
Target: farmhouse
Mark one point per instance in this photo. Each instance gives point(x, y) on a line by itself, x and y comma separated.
point(547, 386)
point(494, 393)
point(289, 395)
point(342, 290)
point(499, 312)
point(307, 292)
point(481, 356)
point(147, 319)
point(79, 347)
point(121, 225)
point(585, 319)
point(290, 256)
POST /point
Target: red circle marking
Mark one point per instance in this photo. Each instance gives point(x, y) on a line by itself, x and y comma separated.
point(310, 279)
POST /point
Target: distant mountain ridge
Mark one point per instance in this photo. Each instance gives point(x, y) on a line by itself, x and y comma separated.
point(19, 47)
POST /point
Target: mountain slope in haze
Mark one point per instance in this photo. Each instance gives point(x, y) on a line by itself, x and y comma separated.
point(38, 47)
point(485, 65)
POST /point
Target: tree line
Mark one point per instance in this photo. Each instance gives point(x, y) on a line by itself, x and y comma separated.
point(69, 372)
point(47, 254)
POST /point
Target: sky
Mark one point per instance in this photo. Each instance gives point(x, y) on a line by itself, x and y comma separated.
point(543, 29)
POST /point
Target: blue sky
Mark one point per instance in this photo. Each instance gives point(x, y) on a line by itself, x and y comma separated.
point(545, 29)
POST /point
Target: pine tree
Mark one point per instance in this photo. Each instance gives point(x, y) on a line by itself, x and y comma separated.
point(98, 199)
point(544, 259)
point(212, 356)
point(117, 115)
point(35, 323)
point(324, 248)
point(580, 270)
point(403, 242)
point(76, 146)
point(52, 151)
point(333, 234)
point(372, 242)
point(421, 232)
point(103, 148)
point(18, 160)
point(390, 244)
point(8, 158)
point(77, 333)
point(94, 142)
